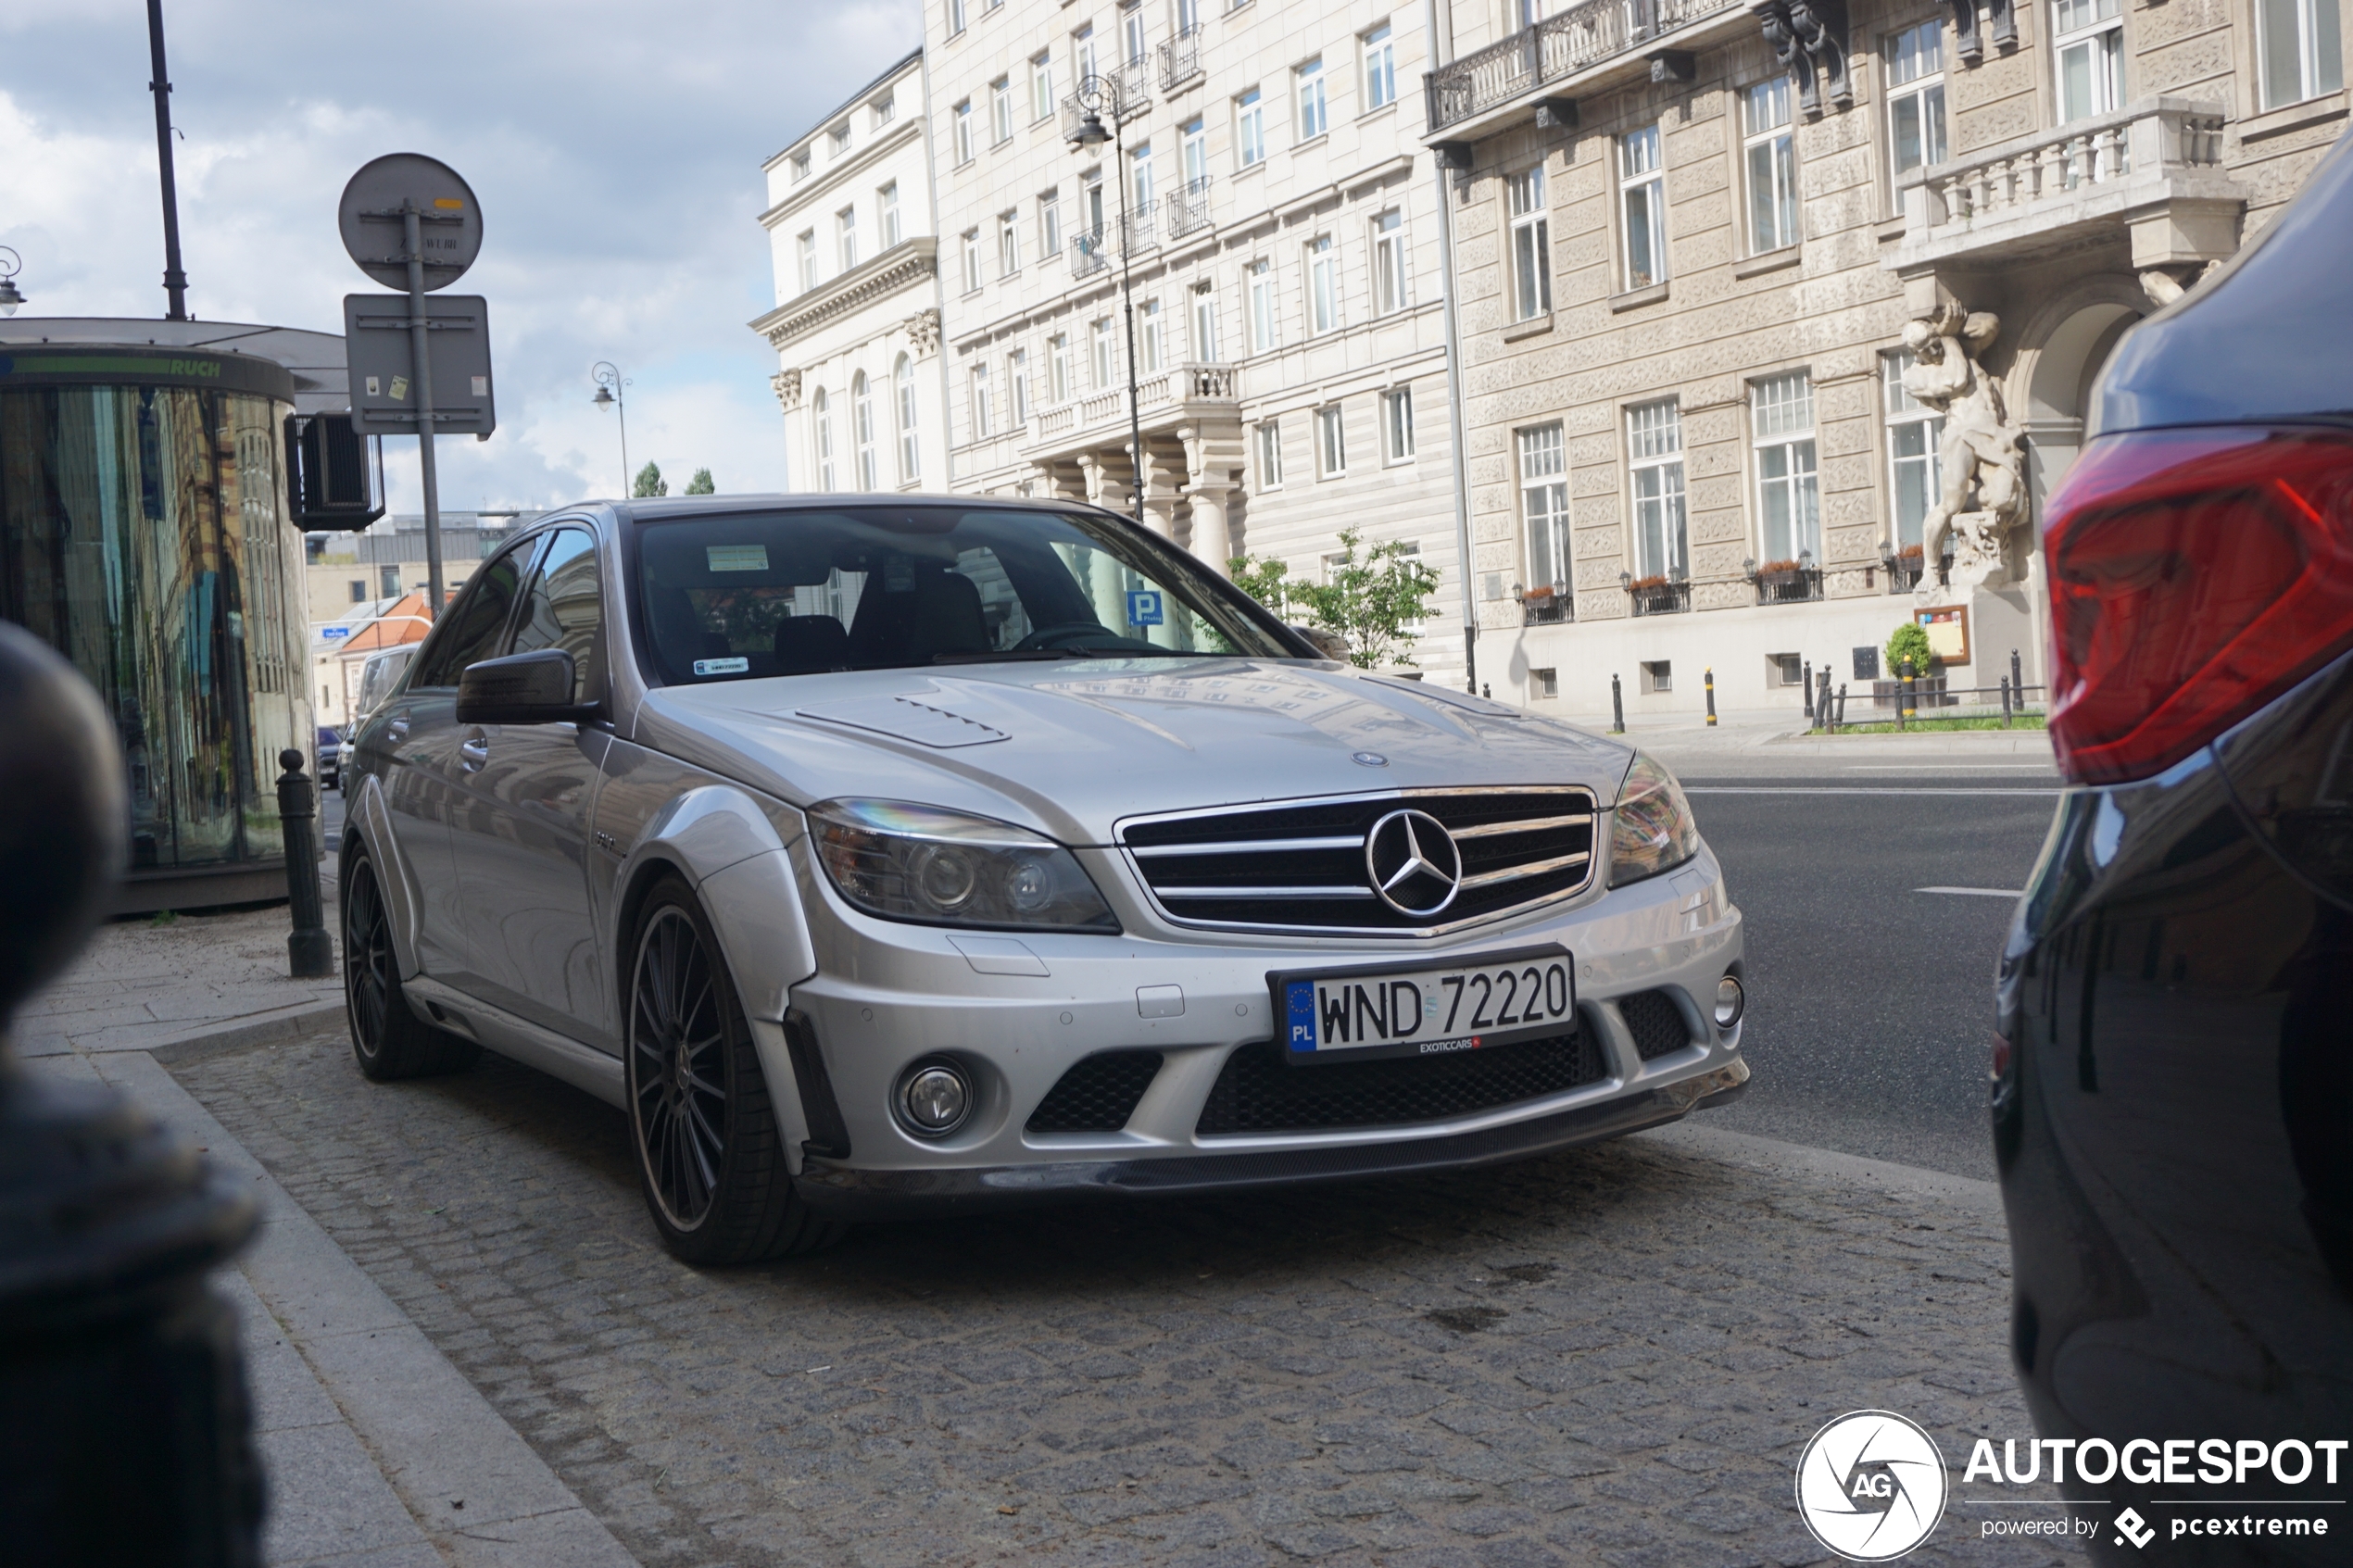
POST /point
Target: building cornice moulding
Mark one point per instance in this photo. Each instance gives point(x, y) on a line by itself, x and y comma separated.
point(902, 265)
point(825, 184)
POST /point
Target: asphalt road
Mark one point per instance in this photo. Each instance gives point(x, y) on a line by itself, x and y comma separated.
point(1870, 1002)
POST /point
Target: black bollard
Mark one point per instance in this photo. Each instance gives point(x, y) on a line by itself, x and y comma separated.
point(1807, 688)
point(1841, 702)
point(125, 1430)
point(1617, 707)
point(1908, 712)
point(2006, 702)
point(2018, 679)
point(311, 952)
point(1707, 679)
point(1822, 702)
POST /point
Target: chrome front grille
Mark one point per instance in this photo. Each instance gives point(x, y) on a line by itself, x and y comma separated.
point(1301, 865)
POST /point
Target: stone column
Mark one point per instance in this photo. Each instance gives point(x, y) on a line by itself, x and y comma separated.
point(1212, 543)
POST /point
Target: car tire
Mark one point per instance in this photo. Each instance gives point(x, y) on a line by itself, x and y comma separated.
point(390, 1041)
point(710, 1151)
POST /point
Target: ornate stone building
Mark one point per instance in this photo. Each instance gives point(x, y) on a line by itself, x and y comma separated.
point(1264, 184)
point(1765, 302)
point(856, 327)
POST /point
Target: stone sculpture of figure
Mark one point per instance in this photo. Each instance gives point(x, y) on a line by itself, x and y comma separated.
point(1979, 450)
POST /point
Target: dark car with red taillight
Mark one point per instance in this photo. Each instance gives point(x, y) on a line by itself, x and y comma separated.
point(2172, 1101)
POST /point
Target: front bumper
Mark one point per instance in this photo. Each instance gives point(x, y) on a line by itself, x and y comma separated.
point(886, 994)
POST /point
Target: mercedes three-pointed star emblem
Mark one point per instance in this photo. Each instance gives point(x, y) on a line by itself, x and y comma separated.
point(1414, 863)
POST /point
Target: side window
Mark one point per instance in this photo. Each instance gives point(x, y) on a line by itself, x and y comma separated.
point(564, 609)
point(477, 621)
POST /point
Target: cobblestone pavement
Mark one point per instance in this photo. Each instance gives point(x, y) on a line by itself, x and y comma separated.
point(1612, 1356)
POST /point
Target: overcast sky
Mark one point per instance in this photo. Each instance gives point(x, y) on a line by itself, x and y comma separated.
point(615, 149)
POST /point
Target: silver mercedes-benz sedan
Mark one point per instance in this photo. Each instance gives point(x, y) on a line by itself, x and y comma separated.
point(887, 855)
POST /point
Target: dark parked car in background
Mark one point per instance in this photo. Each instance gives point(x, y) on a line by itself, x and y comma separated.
point(2173, 1068)
point(330, 755)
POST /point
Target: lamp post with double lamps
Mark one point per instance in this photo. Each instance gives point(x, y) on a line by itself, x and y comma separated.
point(609, 381)
point(1097, 96)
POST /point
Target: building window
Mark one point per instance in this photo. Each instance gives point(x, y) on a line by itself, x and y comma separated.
point(1772, 166)
point(1008, 244)
point(1654, 452)
point(1105, 361)
point(1915, 474)
point(1658, 675)
point(1544, 505)
point(1642, 201)
point(360, 591)
point(1041, 84)
point(1058, 367)
point(1150, 335)
point(911, 467)
point(886, 202)
point(2089, 38)
point(1140, 183)
point(1187, 18)
point(972, 260)
point(955, 16)
point(822, 417)
point(983, 404)
point(1268, 443)
point(1915, 98)
point(1323, 286)
point(1249, 128)
point(808, 243)
point(1049, 224)
point(883, 111)
point(1262, 307)
point(838, 140)
point(1331, 443)
point(1205, 323)
point(1788, 498)
point(1380, 67)
point(1090, 207)
point(1131, 31)
point(1082, 54)
point(1543, 684)
point(2302, 49)
point(846, 233)
point(1314, 117)
point(1001, 111)
point(962, 117)
point(800, 166)
point(1389, 262)
point(1017, 384)
point(1397, 425)
point(862, 424)
point(1192, 140)
point(388, 579)
point(1531, 246)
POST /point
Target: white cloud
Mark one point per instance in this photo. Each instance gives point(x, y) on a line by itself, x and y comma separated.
point(615, 149)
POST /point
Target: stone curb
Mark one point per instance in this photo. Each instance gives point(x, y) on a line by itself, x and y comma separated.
point(433, 1434)
point(258, 1029)
point(1773, 1157)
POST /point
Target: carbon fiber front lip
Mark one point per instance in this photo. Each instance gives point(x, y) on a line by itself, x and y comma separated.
point(839, 1192)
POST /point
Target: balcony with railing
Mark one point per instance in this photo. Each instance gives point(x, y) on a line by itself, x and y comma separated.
point(1789, 581)
point(1123, 92)
point(1143, 226)
point(1174, 396)
point(1552, 606)
point(1088, 254)
point(1180, 60)
point(1558, 47)
point(1188, 207)
point(1671, 595)
point(2151, 170)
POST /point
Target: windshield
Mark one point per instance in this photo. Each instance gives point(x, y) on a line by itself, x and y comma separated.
point(798, 593)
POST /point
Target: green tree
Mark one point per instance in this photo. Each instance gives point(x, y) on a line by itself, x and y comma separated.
point(700, 484)
point(1908, 641)
point(649, 483)
point(1369, 596)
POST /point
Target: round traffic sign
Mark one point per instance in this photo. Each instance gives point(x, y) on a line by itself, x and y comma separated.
point(373, 220)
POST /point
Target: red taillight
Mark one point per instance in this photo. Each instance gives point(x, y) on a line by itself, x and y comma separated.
point(2195, 576)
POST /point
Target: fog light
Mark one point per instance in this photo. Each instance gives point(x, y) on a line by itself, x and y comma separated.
point(935, 1099)
point(1728, 1002)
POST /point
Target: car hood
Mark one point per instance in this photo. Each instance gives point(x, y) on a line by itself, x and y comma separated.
point(1069, 747)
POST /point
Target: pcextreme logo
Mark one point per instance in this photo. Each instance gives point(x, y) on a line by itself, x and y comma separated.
point(1871, 1486)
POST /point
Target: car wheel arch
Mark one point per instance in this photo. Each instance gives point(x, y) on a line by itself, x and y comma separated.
point(367, 829)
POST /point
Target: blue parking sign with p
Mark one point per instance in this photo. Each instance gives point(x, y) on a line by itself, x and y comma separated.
point(1144, 607)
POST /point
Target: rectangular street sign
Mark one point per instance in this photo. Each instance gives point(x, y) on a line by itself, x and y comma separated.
point(384, 379)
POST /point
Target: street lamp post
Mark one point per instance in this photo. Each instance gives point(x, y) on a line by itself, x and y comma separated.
point(609, 381)
point(1095, 95)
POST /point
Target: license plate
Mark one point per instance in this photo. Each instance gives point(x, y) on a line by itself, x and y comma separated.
point(1393, 1010)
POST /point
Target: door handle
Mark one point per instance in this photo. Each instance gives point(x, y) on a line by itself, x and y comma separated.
point(474, 752)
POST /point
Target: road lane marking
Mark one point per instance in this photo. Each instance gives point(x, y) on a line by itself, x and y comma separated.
point(1856, 789)
point(1978, 892)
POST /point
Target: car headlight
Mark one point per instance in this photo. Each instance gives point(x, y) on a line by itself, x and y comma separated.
point(1650, 831)
point(904, 861)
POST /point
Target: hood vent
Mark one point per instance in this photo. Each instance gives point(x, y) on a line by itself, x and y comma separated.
point(908, 719)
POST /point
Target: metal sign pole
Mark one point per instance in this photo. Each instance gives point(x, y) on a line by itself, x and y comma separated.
point(420, 347)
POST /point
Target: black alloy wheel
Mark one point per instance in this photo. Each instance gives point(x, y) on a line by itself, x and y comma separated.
point(389, 1039)
point(711, 1153)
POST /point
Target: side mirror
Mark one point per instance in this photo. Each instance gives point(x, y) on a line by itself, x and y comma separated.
point(1330, 644)
point(523, 688)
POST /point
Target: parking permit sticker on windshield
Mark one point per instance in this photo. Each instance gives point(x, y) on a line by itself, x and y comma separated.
point(735, 557)
point(723, 666)
point(1144, 607)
